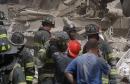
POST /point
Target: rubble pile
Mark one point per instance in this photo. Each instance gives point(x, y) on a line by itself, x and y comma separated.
point(82, 12)
point(123, 65)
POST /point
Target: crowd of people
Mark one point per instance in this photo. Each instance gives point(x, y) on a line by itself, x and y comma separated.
point(58, 58)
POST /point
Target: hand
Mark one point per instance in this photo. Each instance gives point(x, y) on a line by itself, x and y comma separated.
point(99, 53)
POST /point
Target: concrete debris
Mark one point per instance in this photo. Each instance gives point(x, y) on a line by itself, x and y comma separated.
point(69, 9)
point(43, 4)
point(67, 21)
point(118, 44)
point(69, 2)
point(38, 13)
point(123, 64)
point(115, 8)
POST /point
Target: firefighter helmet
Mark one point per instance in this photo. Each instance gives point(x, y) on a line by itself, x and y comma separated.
point(69, 28)
point(92, 29)
point(61, 39)
point(48, 21)
point(17, 38)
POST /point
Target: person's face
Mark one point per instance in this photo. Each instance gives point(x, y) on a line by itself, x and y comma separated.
point(94, 36)
point(62, 46)
point(47, 28)
point(73, 35)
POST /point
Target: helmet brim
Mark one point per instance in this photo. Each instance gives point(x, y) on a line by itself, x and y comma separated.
point(92, 33)
point(12, 50)
point(18, 44)
point(48, 24)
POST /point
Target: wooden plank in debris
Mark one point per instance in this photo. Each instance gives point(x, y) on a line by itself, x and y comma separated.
point(28, 18)
point(69, 9)
point(37, 13)
point(84, 21)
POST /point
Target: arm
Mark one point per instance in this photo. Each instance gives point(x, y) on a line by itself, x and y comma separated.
point(18, 76)
point(104, 66)
point(70, 70)
point(70, 77)
point(28, 66)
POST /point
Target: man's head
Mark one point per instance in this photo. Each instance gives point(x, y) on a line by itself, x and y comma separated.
point(92, 31)
point(48, 23)
point(71, 30)
point(61, 39)
point(93, 45)
point(74, 48)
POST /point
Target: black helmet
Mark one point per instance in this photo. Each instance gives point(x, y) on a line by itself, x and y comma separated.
point(92, 29)
point(17, 38)
point(62, 35)
point(41, 36)
point(61, 40)
point(69, 28)
point(48, 21)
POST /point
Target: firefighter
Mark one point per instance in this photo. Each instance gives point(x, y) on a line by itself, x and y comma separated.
point(42, 35)
point(58, 48)
point(25, 56)
point(10, 70)
point(92, 31)
point(72, 32)
point(43, 62)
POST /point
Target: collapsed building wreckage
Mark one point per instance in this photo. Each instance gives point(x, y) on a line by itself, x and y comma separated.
point(81, 13)
point(72, 8)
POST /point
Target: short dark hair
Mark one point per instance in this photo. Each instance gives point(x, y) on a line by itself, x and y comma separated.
point(93, 36)
point(92, 43)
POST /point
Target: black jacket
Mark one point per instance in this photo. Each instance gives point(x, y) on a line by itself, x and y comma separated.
point(61, 61)
point(12, 74)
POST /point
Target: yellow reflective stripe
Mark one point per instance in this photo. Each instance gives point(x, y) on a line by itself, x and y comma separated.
point(113, 72)
point(3, 36)
point(105, 80)
point(41, 50)
point(110, 56)
point(22, 83)
point(3, 48)
point(31, 64)
point(36, 43)
point(29, 78)
point(9, 46)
